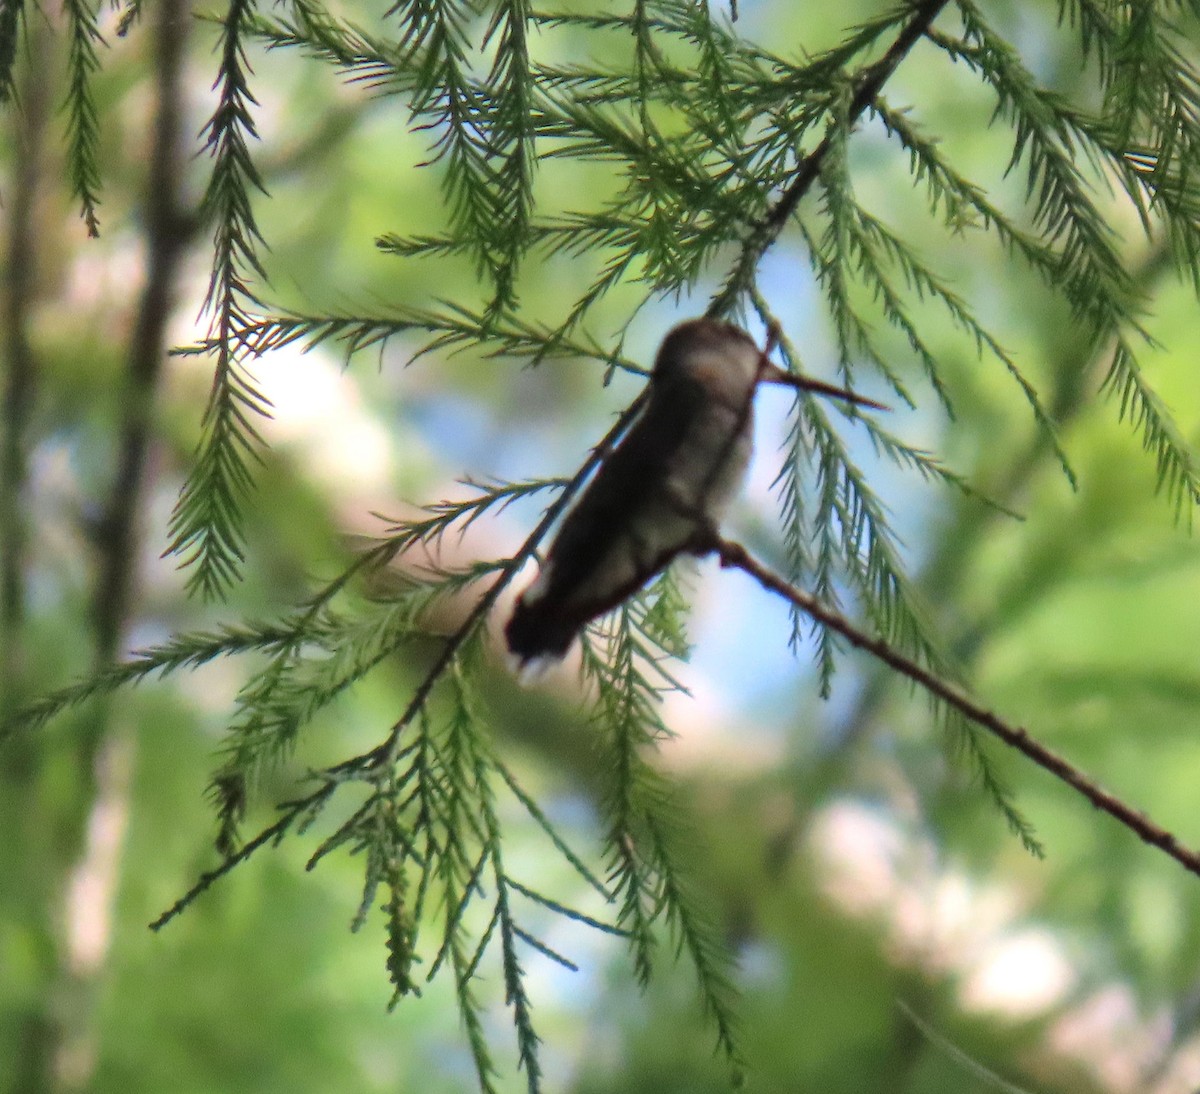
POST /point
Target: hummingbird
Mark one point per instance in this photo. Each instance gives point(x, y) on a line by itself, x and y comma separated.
point(663, 489)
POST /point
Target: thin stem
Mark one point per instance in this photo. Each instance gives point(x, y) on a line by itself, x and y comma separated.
point(385, 754)
point(734, 554)
point(293, 813)
point(1075, 379)
point(869, 84)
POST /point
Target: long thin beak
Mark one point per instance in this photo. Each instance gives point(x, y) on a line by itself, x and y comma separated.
point(773, 374)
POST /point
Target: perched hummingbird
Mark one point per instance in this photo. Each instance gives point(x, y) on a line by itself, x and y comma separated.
point(663, 489)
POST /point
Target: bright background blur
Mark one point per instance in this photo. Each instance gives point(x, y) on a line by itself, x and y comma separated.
point(891, 935)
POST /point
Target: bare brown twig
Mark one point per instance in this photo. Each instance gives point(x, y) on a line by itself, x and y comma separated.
point(734, 554)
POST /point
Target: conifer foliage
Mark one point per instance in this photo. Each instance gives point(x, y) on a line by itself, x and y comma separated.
point(722, 147)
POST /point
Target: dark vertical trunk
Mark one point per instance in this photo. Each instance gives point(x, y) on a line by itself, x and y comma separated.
point(81, 858)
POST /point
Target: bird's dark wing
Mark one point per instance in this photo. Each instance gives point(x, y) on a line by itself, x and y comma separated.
point(622, 485)
point(546, 622)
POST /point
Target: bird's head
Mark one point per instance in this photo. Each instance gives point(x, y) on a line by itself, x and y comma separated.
point(728, 363)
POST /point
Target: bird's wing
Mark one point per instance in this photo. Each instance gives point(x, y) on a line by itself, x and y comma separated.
point(622, 485)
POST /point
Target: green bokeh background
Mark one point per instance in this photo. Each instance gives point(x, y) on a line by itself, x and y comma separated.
point(1079, 621)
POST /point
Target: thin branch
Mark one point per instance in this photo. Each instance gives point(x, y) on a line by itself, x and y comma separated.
point(293, 812)
point(385, 754)
point(734, 554)
point(207, 523)
point(867, 87)
point(83, 118)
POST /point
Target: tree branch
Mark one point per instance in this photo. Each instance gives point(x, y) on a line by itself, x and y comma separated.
point(868, 85)
point(379, 759)
point(735, 555)
point(385, 754)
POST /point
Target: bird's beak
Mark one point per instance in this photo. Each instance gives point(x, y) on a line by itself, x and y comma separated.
point(773, 374)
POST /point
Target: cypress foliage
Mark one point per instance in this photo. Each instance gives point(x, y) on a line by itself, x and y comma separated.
point(721, 148)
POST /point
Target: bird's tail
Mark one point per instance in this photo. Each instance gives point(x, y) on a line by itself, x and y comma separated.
point(537, 632)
